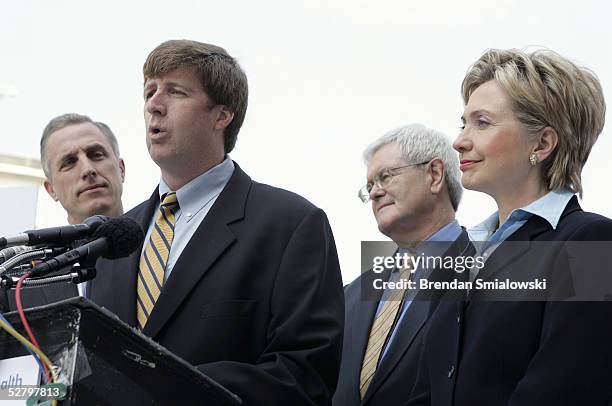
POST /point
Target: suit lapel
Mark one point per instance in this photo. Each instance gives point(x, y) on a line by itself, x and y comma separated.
point(360, 322)
point(520, 241)
point(412, 322)
point(125, 270)
point(211, 240)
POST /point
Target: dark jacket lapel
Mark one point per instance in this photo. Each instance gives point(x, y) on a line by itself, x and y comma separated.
point(210, 240)
point(361, 317)
point(520, 242)
point(125, 270)
point(413, 321)
point(411, 324)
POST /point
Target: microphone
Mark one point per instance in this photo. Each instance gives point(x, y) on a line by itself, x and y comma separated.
point(116, 238)
point(55, 235)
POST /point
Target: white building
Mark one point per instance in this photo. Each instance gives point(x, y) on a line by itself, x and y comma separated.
point(20, 171)
point(20, 181)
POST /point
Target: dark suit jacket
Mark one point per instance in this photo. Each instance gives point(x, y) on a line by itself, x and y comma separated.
point(397, 371)
point(255, 300)
point(527, 353)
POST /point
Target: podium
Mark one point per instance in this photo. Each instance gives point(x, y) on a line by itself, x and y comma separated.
point(104, 361)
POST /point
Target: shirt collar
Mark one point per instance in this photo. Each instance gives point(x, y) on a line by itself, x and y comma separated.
point(449, 233)
point(549, 207)
point(193, 196)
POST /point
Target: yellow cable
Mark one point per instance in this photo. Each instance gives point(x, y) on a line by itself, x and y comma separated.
point(31, 346)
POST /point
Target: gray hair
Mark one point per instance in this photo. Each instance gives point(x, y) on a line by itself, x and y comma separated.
point(64, 121)
point(418, 143)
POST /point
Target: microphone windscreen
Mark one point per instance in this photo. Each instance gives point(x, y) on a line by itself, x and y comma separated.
point(95, 221)
point(123, 234)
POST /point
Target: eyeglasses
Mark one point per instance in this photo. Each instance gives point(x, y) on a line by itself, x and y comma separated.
point(382, 180)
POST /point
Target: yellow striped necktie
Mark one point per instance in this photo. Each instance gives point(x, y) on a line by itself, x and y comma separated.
point(154, 259)
point(382, 326)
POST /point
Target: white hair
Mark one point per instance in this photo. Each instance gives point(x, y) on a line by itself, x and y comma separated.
point(418, 143)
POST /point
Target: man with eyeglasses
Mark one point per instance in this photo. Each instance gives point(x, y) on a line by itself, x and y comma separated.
point(414, 187)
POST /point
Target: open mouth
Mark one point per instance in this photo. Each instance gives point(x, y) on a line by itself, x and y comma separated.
point(157, 132)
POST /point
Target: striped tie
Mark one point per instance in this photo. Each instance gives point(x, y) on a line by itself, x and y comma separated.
point(382, 326)
point(154, 259)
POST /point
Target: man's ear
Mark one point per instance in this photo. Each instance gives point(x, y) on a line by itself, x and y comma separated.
point(49, 188)
point(224, 118)
point(122, 169)
point(547, 140)
point(436, 172)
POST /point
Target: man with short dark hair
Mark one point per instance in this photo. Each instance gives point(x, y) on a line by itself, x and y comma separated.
point(83, 169)
point(238, 278)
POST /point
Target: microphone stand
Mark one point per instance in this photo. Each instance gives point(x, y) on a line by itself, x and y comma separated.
point(26, 256)
point(76, 275)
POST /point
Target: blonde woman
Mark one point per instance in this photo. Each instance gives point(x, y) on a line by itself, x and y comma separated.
point(529, 123)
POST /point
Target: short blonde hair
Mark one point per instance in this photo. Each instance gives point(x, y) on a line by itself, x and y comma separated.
point(548, 90)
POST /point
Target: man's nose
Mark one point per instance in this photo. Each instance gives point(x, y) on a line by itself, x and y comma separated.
point(156, 105)
point(88, 169)
point(376, 192)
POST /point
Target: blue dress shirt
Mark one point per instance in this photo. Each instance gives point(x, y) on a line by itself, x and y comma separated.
point(449, 233)
point(195, 200)
point(549, 207)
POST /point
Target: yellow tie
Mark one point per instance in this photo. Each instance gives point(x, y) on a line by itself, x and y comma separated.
point(154, 259)
point(381, 328)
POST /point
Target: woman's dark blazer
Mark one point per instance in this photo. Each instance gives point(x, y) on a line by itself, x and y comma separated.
point(527, 353)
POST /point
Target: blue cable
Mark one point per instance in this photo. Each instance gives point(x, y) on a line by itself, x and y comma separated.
point(30, 351)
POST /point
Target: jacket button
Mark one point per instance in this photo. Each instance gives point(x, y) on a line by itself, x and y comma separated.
point(458, 319)
point(451, 371)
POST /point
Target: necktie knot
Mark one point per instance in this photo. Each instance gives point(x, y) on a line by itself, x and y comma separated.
point(169, 202)
point(407, 270)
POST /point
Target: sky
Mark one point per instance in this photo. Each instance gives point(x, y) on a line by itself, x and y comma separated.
point(325, 78)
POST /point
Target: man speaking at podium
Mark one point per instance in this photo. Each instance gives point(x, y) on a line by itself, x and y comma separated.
point(239, 278)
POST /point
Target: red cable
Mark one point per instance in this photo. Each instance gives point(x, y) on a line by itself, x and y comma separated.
point(24, 321)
